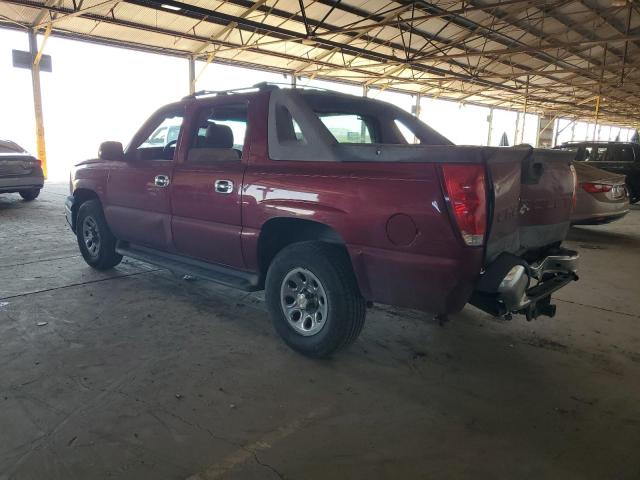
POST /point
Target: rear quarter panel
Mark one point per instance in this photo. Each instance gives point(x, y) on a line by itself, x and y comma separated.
point(392, 218)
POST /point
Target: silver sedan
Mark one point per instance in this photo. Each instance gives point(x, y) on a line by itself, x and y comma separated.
point(601, 196)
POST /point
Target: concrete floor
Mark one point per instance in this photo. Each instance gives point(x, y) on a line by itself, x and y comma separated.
point(138, 374)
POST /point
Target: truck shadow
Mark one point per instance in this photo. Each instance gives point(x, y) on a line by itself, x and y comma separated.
point(596, 235)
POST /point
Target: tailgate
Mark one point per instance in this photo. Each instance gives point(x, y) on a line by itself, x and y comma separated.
point(532, 197)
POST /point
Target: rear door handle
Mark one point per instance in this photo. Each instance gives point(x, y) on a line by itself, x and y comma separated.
point(161, 181)
point(224, 186)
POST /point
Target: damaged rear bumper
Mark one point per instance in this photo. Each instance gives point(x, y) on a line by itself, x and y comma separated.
point(511, 285)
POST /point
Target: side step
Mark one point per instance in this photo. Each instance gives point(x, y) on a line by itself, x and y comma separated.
point(248, 282)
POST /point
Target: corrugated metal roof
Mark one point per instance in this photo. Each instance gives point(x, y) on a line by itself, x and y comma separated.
point(557, 56)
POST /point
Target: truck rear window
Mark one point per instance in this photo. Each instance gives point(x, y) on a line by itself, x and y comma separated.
point(348, 127)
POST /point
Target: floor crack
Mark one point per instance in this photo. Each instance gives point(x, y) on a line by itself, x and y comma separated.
point(632, 315)
point(266, 465)
point(18, 295)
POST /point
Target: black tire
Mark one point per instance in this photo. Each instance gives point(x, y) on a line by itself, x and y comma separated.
point(95, 240)
point(345, 307)
point(30, 194)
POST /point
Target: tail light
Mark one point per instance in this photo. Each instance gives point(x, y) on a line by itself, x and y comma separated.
point(590, 187)
point(465, 187)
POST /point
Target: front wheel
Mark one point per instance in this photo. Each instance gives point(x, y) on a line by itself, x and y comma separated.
point(96, 242)
point(313, 298)
point(30, 194)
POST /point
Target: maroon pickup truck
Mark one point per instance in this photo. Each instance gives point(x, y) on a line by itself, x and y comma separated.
point(329, 202)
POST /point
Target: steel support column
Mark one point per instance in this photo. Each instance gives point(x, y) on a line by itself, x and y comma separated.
point(519, 127)
point(37, 100)
point(192, 75)
point(520, 135)
point(545, 138)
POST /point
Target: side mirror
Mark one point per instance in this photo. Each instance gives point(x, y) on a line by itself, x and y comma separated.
point(111, 151)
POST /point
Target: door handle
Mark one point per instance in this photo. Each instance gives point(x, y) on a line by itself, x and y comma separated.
point(224, 186)
point(161, 181)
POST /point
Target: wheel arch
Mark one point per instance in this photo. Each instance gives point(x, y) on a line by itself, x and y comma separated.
point(80, 196)
point(280, 232)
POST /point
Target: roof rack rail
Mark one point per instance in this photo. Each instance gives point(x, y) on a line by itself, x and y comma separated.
point(207, 93)
point(268, 86)
point(262, 86)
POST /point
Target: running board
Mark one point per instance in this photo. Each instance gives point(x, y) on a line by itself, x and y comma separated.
point(248, 282)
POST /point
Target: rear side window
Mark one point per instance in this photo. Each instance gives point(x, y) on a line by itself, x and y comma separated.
point(348, 127)
point(287, 128)
point(625, 154)
point(407, 133)
point(219, 135)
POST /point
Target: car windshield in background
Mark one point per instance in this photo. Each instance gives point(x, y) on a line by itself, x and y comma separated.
point(165, 134)
point(7, 146)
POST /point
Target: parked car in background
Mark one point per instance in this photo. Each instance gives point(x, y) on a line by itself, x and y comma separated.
point(601, 196)
point(616, 157)
point(320, 199)
point(20, 172)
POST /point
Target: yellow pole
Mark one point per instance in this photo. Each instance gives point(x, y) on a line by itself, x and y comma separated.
point(37, 101)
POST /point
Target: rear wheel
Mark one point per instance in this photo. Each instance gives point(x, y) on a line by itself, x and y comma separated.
point(96, 242)
point(313, 298)
point(29, 194)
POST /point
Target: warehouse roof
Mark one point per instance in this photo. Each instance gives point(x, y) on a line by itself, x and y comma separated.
point(555, 56)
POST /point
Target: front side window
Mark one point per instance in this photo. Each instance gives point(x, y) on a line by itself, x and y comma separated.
point(601, 154)
point(348, 127)
point(164, 134)
point(590, 154)
point(160, 144)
